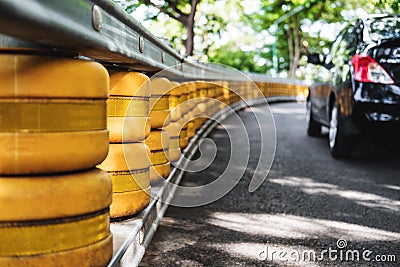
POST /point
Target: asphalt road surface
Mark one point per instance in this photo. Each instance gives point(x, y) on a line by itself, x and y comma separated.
point(312, 210)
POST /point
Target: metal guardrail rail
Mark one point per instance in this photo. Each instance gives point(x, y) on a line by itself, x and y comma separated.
point(99, 30)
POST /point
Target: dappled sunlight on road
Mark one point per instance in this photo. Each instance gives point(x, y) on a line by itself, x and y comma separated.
point(291, 226)
point(292, 111)
point(309, 186)
point(255, 252)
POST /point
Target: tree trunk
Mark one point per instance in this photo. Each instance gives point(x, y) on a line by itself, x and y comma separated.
point(290, 47)
point(297, 52)
point(189, 42)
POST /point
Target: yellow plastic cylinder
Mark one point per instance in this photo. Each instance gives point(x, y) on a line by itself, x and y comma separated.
point(128, 165)
point(158, 143)
point(128, 107)
point(49, 221)
point(54, 114)
point(159, 102)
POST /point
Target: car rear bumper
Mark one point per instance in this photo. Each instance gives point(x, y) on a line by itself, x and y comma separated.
point(370, 117)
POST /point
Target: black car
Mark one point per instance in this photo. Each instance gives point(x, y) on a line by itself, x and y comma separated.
point(360, 91)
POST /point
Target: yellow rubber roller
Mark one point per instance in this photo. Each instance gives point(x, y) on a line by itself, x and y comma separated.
point(129, 84)
point(173, 130)
point(159, 171)
point(126, 157)
point(184, 97)
point(130, 181)
point(128, 107)
point(174, 149)
point(175, 98)
point(158, 139)
point(57, 196)
point(129, 203)
point(53, 114)
point(183, 139)
point(94, 255)
point(75, 241)
point(131, 192)
point(128, 129)
point(159, 102)
point(159, 118)
point(51, 152)
point(51, 77)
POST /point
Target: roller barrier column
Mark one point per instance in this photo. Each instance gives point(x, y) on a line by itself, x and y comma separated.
point(129, 125)
point(174, 126)
point(54, 205)
point(191, 105)
point(183, 138)
point(158, 140)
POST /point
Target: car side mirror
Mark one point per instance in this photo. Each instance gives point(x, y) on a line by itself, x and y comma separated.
point(315, 58)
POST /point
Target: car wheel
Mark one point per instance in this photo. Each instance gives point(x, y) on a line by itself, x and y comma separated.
point(313, 127)
point(340, 144)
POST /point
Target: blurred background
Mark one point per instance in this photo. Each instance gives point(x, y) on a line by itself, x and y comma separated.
point(242, 34)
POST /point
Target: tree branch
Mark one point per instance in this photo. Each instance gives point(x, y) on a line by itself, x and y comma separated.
point(179, 17)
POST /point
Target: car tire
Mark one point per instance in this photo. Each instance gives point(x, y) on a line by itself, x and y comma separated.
point(340, 144)
point(313, 127)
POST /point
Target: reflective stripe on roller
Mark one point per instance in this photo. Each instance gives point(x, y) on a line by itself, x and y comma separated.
point(51, 152)
point(160, 103)
point(52, 115)
point(159, 156)
point(129, 203)
point(128, 106)
point(126, 182)
point(51, 77)
point(94, 255)
point(126, 157)
point(57, 196)
point(128, 129)
point(39, 237)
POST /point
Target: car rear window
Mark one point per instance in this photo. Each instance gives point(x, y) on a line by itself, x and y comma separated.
point(384, 28)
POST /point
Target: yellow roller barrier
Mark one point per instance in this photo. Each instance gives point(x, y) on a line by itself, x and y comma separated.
point(26, 76)
point(56, 196)
point(53, 114)
point(173, 130)
point(175, 100)
point(158, 143)
point(128, 107)
point(183, 138)
point(128, 165)
point(59, 220)
point(159, 102)
point(97, 254)
point(131, 192)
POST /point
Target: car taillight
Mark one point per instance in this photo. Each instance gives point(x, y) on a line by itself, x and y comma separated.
point(366, 69)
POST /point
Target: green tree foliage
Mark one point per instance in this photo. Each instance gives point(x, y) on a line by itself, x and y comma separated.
point(308, 30)
point(294, 40)
point(185, 12)
point(232, 56)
